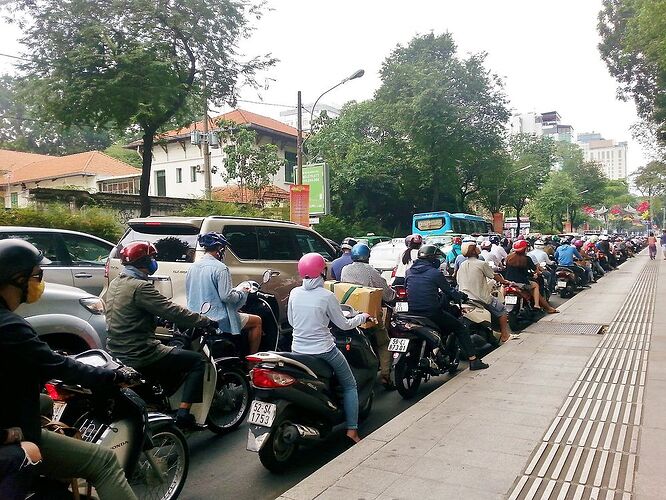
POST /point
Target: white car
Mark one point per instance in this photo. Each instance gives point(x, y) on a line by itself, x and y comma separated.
point(384, 256)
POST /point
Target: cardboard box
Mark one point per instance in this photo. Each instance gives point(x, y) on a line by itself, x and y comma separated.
point(362, 298)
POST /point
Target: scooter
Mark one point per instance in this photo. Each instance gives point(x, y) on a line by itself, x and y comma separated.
point(567, 282)
point(478, 321)
point(520, 305)
point(149, 447)
point(298, 400)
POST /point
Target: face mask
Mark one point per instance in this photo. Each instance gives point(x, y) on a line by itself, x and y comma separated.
point(152, 266)
point(436, 263)
point(35, 291)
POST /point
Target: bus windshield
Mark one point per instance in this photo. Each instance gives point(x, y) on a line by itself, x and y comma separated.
point(440, 223)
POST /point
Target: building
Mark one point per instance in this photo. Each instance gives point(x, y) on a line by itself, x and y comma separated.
point(177, 168)
point(290, 116)
point(22, 172)
point(542, 124)
point(609, 154)
point(527, 123)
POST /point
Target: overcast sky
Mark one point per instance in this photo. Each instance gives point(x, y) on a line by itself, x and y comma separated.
point(546, 51)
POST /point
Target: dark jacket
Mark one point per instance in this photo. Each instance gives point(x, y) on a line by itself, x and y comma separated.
point(26, 362)
point(424, 282)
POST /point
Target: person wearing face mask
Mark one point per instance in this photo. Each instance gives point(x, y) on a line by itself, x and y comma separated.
point(132, 306)
point(25, 363)
point(310, 310)
point(429, 294)
point(209, 281)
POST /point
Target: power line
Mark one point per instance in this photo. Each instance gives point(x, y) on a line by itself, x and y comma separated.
point(267, 103)
point(11, 56)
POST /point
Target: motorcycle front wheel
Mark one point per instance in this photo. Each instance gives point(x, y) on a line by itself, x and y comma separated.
point(408, 376)
point(231, 402)
point(161, 471)
point(277, 454)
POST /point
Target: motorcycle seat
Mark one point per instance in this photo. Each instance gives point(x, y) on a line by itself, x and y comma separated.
point(421, 320)
point(320, 367)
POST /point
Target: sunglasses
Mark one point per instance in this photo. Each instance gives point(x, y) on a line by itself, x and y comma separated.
point(39, 276)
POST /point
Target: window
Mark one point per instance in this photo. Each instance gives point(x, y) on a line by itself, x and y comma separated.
point(49, 244)
point(85, 251)
point(14, 200)
point(310, 242)
point(174, 243)
point(277, 243)
point(430, 224)
point(243, 241)
point(160, 182)
point(193, 174)
point(179, 175)
point(120, 186)
point(290, 163)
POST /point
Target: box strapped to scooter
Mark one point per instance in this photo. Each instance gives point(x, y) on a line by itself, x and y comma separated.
point(362, 298)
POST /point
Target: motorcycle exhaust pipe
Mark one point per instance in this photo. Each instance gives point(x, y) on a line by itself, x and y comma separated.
point(299, 432)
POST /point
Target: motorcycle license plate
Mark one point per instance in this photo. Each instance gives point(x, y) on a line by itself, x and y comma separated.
point(58, 410)
point(262, 413)
point(401, 307)
point(398, 345)
point(561, 284)
point(511, 299)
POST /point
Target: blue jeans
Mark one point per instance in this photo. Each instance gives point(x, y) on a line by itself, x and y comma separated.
point(346, 378)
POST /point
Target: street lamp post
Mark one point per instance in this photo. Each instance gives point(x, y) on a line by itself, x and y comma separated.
point(299, 113)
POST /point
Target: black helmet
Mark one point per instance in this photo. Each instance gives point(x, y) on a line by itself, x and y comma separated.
point(18, 258)
point(429, 252)
point(494, 239)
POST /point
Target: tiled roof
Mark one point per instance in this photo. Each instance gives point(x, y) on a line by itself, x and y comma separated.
point(233, 194)
point(239, 116)
point(13, 160)
point(51, 167)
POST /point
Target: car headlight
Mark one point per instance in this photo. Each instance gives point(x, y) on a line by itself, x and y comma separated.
point(93, 304)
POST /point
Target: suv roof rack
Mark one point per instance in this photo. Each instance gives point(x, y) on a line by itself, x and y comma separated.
point(262, 219)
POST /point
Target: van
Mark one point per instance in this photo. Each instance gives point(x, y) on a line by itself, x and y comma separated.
point(255, 245)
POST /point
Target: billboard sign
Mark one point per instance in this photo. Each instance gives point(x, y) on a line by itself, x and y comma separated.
point(299, 204)
point(316, 176)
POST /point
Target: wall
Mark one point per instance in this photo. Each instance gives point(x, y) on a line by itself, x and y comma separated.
point(84, 182)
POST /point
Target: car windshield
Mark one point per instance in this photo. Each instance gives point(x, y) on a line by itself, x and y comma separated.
point(174, 243)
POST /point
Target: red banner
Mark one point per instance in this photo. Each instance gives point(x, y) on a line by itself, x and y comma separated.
point(299, 204)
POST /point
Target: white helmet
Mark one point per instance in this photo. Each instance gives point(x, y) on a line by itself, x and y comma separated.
point(539, 244)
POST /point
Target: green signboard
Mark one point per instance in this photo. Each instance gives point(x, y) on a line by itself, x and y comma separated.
point(316, 176)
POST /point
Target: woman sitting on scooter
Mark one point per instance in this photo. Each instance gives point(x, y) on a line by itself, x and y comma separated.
point(519, 267)
point(310, 310)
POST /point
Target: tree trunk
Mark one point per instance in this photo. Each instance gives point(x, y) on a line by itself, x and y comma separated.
point(517, 222)
point(148, 138)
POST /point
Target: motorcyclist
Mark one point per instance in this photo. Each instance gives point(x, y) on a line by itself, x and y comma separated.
point(497, 250)
point(132, 306)
point(520, 269)
point(487, 255)
point(413, 242)
point(587, 262)
point(344, 259)
point(604, 247)
point(26, 362)
point(310, 310)
point(424, 284)
point(208, 280)
point(361, 273)
point(539, 256)
point(566, 256)
point(456, 250)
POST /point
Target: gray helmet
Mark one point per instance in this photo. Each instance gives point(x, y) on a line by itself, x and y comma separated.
point(429, 252)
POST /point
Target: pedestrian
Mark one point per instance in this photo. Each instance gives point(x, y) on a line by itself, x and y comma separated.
point(652, 246)
point(344, 260)
point(663, 243)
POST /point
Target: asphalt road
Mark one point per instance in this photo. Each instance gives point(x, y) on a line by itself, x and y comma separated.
point(220, 467)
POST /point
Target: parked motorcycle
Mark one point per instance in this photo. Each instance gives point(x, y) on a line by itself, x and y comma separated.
point(150, 448)
point(567, 282)
point(298, 400)
point(478, 321)
point(520, 305)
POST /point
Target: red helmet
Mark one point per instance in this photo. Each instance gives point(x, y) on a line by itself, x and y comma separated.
point(136, 251)
point(520, 246)
point(414, 241)
point(457, 240)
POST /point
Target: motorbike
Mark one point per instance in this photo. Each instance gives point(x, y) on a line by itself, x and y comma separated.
point(479, 322)
point(567, 282)
point(298, 400)
point(149, 447)
point(520, 305)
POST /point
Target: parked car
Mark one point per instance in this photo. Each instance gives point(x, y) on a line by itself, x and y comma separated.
point(384, 256)
point(255, 246)
point(371, 239)
point(68, 319)
point(77, 259)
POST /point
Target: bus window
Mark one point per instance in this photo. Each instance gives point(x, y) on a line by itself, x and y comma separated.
point(430, 224)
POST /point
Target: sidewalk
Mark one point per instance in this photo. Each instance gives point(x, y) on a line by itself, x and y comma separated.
point(562, 413)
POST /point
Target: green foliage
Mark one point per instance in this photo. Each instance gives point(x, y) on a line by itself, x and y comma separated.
point(338, 229)
point(616, 192)
point(129, 156)
point(651, 179)
point(204, 208)
point(97, 221)
point(553, 202)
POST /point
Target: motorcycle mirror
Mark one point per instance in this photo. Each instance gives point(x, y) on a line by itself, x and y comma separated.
point(205, 307)
point(267, 276)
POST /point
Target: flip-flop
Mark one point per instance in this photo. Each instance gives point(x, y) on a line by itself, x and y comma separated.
point(554, 311)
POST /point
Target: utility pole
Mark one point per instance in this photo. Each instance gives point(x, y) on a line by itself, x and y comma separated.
point(663, 218)
point(205, 146)
point(299, 140)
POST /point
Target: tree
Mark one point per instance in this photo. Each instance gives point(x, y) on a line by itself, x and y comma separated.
point(553, 201)
point(250, 164)
point(140, 63)
point(452, 109)
point(633, 45)
point(532, 158)
point(650, 180)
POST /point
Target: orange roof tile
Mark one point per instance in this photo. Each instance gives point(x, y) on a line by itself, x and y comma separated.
point(12, 160)
point(233, 194)
point(87, 163)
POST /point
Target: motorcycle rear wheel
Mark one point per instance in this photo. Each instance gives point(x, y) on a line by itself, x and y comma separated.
point(231, 402)
point(408, 377)
point(277, 454)
point(171, 456)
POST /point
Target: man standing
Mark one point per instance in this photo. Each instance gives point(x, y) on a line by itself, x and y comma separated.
point(663, 243)
point(344, 260)
point(473, 277)
point(360, 272)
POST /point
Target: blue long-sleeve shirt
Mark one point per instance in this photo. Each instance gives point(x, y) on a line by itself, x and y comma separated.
point(565, 254)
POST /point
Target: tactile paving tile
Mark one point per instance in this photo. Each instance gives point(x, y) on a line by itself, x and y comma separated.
point(565, 328)
point(590, 449)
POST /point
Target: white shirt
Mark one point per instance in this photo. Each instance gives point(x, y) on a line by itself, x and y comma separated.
point(401, 270)
point(490, 257)
point(498, 252)
point(538, 256)
point(311, 307)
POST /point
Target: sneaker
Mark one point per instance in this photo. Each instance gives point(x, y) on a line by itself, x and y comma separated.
point(478, 364)
point(188, 422)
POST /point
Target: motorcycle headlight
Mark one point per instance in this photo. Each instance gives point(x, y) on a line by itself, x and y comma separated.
point(95, 305)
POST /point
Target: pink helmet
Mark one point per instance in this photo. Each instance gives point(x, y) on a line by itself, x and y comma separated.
point(311, 265)
point(414, 241)
point(578, 243)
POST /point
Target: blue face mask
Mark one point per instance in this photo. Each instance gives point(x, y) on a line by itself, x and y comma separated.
point(152, 267)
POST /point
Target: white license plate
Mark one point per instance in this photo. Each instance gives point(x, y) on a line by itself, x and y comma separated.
point(561, 284)
point(262, 413)
point(58, 410)
point(511, 299)
point(401, 307)
point(398, 345)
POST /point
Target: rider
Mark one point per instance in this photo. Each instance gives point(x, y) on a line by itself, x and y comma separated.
point(518, 269)
point(344, 260)
point(26, 362)
point(424, 284)
point(413, 242)
point(362, 273)
point(587, 262)
point(497, 250)
point(487, 255)
point(208, 280)
point(456, 250)
point(310, 310)
point(540, 256)
point(565, 255)
point(20, 462)
point(132, 305)
point(605, 247)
